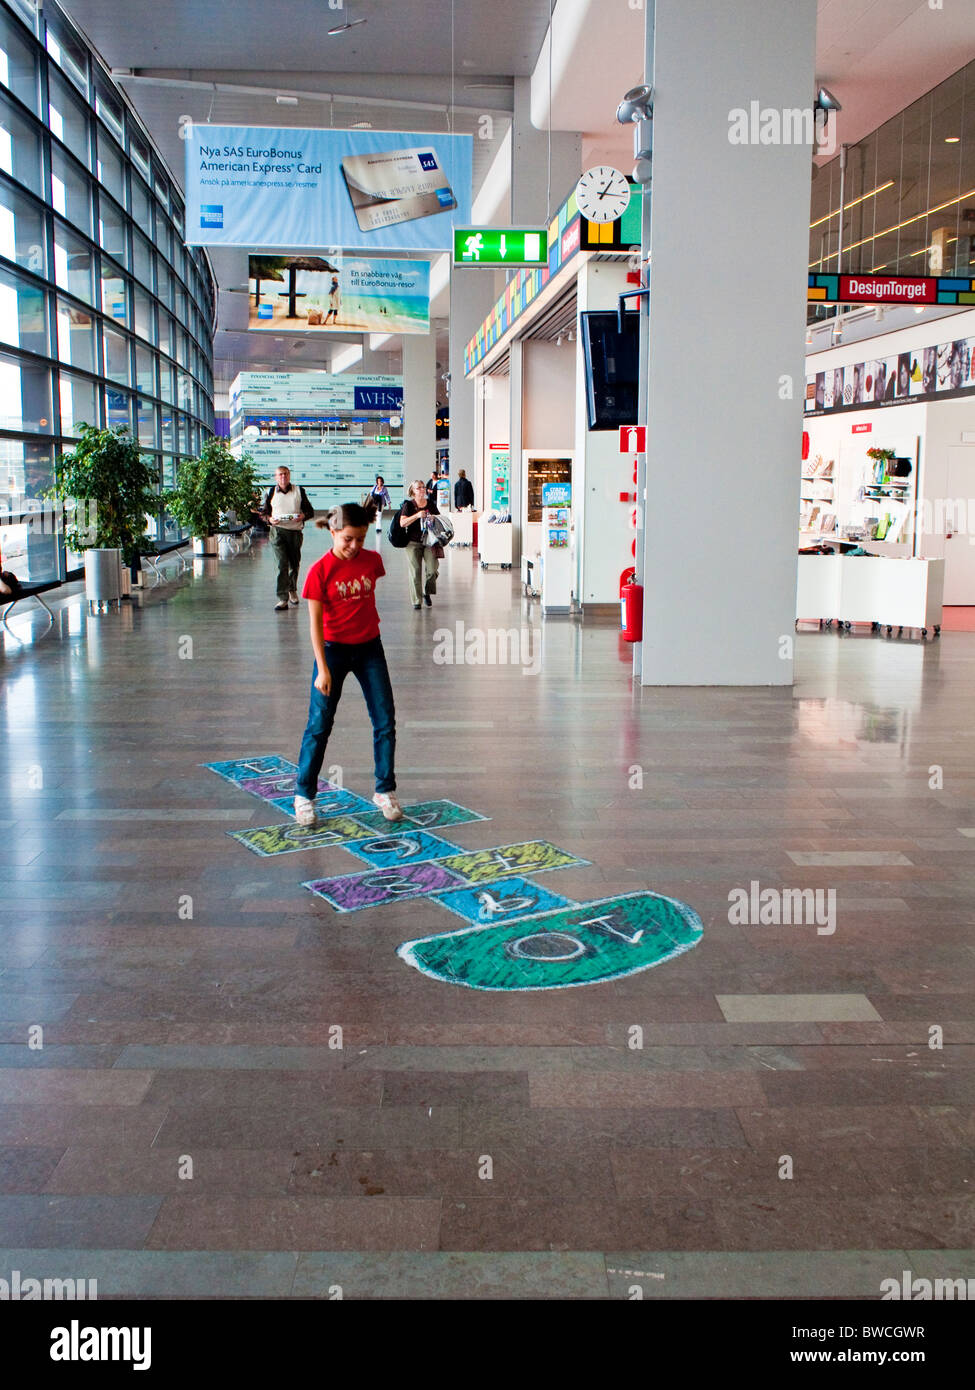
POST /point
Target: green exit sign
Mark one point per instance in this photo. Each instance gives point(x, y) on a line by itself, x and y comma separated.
point(500, 246)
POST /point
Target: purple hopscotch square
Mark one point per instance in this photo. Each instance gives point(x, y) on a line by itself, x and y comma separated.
point(270, 787)
point(350, 892)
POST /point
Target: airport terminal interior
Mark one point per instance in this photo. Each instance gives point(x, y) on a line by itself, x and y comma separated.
point(649, 970)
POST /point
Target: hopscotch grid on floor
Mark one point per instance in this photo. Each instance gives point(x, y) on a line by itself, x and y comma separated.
point(519, 935)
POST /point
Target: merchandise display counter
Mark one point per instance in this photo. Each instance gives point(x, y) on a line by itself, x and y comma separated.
point(870, 589)
point(494, 543)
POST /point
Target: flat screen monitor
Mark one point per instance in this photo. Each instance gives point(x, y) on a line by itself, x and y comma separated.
point(612, 368)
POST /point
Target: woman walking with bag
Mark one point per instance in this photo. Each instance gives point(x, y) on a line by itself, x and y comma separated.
point(341, 594)
point(413, 519)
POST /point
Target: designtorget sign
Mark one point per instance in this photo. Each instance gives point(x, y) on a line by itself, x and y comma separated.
point(517, 246)
point(826, 287)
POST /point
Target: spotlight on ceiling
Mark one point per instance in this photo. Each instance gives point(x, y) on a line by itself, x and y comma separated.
point(558, 341)
point(637, 105)
point(837, 329)
point(809, 336)
point(825, 101)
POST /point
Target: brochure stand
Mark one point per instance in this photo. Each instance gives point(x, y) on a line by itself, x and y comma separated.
point(557, 566)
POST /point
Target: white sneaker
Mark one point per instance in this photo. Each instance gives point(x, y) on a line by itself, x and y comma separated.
point(293, 599)
point(305, 811)
point(390, 807)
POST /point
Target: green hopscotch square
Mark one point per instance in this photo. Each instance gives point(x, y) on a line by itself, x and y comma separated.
point(289, 839)
point(528, 857)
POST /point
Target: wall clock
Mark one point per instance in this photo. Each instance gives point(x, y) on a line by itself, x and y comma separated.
point(603, 193)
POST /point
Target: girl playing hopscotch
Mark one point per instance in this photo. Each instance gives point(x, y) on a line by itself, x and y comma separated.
point(341, 594)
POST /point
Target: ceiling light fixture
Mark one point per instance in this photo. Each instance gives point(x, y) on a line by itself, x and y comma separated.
point(952, 139)
point(349, 24)
point(952, 202)
point(809, 337)
point(846, 206)
point(558, 341)
point(286, 101)
point(826, 101)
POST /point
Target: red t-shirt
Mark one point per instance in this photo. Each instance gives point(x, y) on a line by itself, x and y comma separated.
point(347, 588)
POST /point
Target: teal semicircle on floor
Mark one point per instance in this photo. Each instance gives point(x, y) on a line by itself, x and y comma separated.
point(585, 944)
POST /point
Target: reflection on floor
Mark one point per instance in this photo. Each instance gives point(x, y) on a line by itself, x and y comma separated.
point(214, 1084)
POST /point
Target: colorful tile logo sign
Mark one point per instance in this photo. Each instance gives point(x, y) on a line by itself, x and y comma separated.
point(519, 935)
point(866, 288)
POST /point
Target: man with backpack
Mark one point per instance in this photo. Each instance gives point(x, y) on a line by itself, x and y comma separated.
point(287, 508)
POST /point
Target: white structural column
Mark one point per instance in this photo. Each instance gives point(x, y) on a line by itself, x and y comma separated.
point(419, 405)
point(530, 164)
point(729, 244)
point(472, 296)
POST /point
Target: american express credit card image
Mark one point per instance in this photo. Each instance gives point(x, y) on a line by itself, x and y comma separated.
point(396, 186)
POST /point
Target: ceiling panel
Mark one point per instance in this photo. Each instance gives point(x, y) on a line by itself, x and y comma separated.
point(403, 36)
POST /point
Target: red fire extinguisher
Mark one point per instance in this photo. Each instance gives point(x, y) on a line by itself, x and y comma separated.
point(631, 611)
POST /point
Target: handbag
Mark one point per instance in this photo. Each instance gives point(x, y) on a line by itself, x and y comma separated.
point(438, 531)
point(397, 535)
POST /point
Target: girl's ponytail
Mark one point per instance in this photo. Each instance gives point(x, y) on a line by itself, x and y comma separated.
point(349, 514)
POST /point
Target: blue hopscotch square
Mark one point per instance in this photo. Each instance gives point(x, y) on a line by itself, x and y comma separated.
point(237, 770)
point(401, 847)
point(507, 900)
point(336, 802)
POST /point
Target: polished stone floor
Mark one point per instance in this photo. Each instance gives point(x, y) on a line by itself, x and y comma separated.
point(181, 1126)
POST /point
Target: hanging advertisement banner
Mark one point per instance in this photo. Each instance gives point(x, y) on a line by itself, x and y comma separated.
point(265, 186)
point(332, 293)
point(943, 370)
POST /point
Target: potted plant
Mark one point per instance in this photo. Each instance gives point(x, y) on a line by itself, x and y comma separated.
point(206, 486)
point(107, 472)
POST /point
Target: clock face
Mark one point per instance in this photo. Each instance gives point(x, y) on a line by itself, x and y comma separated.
point(602, 193)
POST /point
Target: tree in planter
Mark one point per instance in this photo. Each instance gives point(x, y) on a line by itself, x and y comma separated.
point(107, 470)
point(213, 483)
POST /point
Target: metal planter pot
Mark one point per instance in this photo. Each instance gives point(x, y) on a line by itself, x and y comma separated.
point(206, 545)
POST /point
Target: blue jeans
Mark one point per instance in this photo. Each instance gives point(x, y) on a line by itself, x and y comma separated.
point(367, 662)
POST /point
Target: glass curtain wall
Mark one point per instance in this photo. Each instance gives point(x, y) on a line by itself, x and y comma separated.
point(909, 191)
point(106, 318)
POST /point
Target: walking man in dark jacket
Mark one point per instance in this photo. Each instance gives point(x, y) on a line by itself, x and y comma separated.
point(463, 491)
